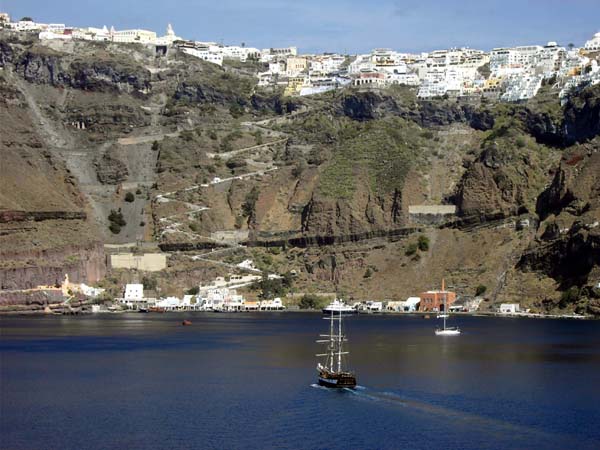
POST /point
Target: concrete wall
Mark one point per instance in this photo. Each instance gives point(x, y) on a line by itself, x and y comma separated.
point(431, 214)
point(229, 236)
point(150, 262)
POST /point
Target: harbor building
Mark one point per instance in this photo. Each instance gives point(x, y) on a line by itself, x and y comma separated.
point(434, 300)
point(509, 308)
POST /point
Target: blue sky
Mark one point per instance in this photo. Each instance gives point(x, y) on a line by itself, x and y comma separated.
point(336, 25)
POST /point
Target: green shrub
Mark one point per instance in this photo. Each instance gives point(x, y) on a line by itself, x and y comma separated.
point(236, 110)
point(249, 205)
point(116, 221)
point(480, 290)
point(569, 296)
point(368, 273)
point(423, 243)
point(155, 146)
point(411, 249)
point(129, 197)
point(193, 290)
point(187, 135)
point(149, 283)
point(310, 301)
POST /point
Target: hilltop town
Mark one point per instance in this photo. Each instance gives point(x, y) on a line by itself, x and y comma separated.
point(157, 167)
point(510, 74)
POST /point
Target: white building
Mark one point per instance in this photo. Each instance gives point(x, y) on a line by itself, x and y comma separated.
point(521, 87)
point(27, 25)
point(593, 44)
point(92, 34)
point(373, 306)
point(409, 305)
point(168, 38)
point(49, 35)
point(271, 305)
point(240, 53)
point(134, 298)
point(206, 54)
point(90, 291)
point(509, 308)
point(134, 292)
point(134, 36)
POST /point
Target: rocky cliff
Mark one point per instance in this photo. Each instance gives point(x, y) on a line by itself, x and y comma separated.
point(196, 156)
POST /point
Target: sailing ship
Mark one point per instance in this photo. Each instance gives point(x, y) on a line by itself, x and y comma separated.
point(446, 331)
point(331, 371)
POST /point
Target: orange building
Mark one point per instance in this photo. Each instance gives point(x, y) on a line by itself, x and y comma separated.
point(434, 300)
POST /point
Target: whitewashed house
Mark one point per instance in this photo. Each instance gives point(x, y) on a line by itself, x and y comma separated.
point(509, 308)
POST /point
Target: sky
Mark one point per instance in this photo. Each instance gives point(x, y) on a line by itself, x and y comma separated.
point(348, 26)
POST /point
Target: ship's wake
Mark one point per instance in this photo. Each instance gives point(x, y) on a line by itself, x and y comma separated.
point(394, 400)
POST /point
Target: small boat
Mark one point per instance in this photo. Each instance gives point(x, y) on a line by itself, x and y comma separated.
point(142, 310)
point(338, 306)
point(446, 331)
point(186, 322)
point(331, 371)
point(156, 309)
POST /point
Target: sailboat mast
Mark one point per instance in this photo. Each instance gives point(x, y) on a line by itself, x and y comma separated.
point(331, 345)
point(444, 294)
point(340, 343)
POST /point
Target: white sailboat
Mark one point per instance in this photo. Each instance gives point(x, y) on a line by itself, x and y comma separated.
point(446, 331)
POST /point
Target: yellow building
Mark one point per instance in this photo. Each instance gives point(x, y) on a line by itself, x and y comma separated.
point(294, 86)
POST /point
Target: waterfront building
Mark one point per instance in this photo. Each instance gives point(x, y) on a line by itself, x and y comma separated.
point(133, 297)
point(434, 300)
point(134, 292)
point(271, 305)
point(509, 308)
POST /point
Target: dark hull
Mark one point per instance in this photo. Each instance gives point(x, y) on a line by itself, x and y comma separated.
point(337, 313)
point(337, 381)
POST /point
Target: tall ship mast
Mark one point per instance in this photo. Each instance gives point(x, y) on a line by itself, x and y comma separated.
point(331, 371)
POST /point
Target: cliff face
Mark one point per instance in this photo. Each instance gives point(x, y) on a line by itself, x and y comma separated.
point(582, 116)
point(45, 231)
point(83, 124)
point(42, 65)
point(503, 179)
point(31, 268)
point(567, 247)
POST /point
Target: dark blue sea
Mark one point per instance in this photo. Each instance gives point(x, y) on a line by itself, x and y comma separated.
point(229, 381)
